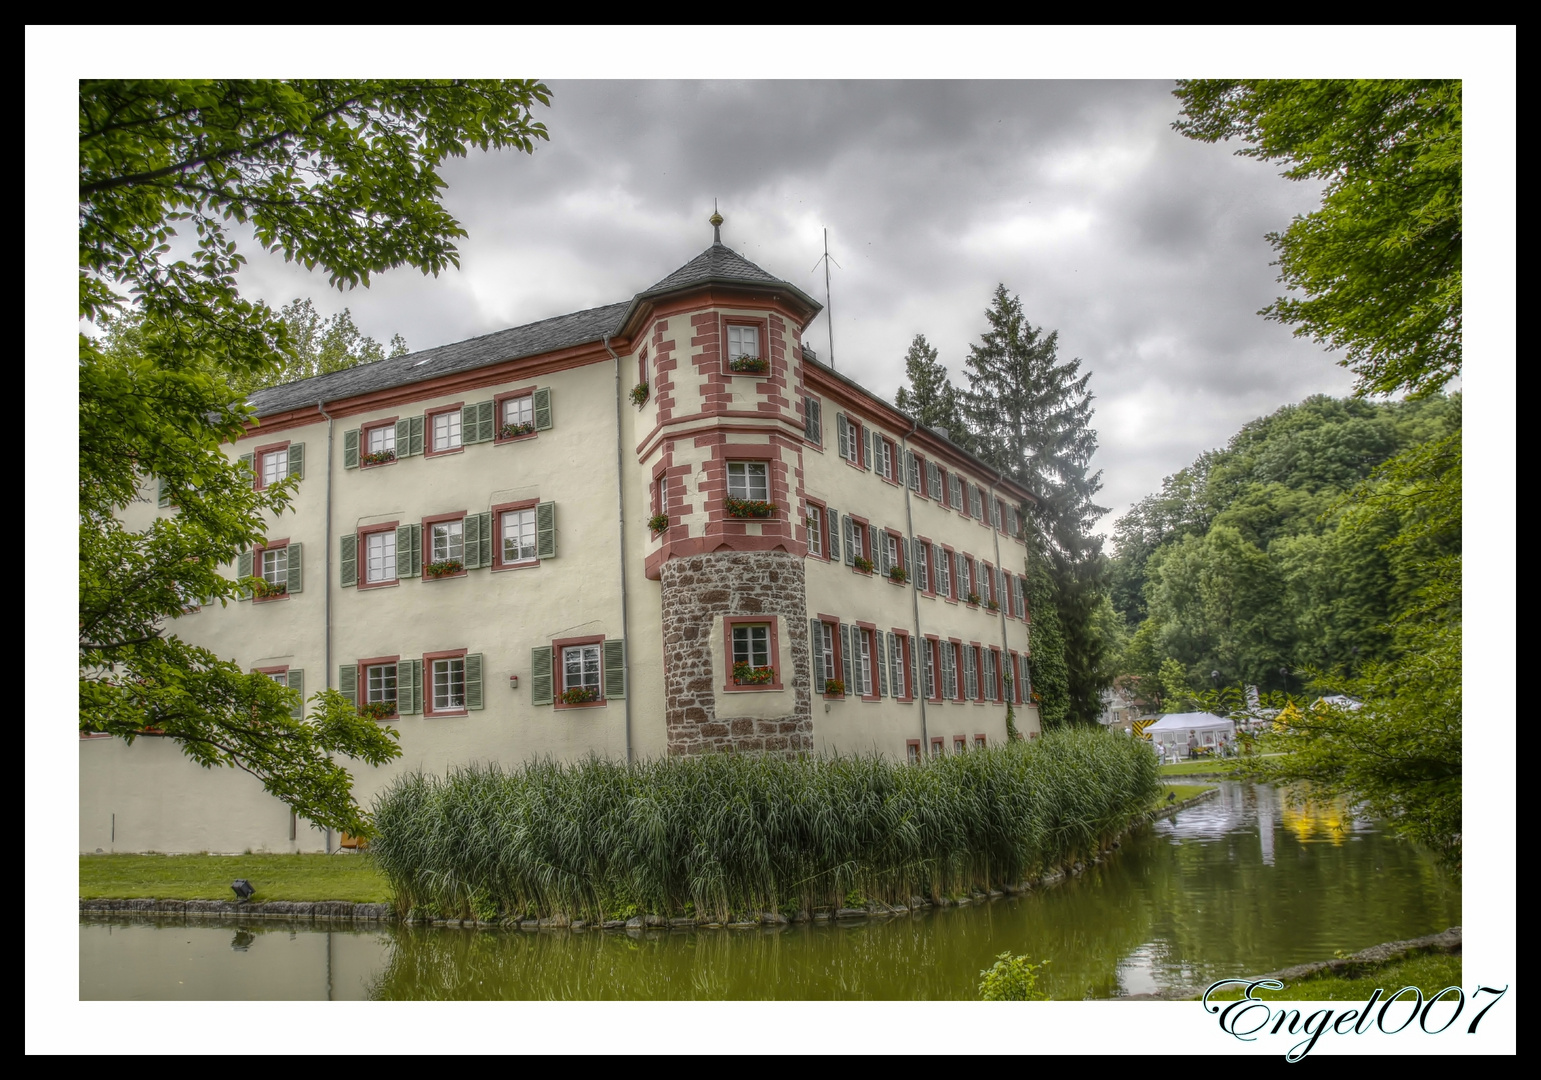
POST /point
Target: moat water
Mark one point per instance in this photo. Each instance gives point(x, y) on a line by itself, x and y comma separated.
point(1245, 883)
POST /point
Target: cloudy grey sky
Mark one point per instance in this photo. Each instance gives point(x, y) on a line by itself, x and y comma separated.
point(1144, 250)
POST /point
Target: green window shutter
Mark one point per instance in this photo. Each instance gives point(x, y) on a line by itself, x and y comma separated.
point(615, 668)
point(404, 437)
point(161, 498)
point(297, 684)
point(915, 669)
point(832, 517)
point(878, 646)
point(866, 448)
point(541, 692)
point(348, 551)
point(545, 530)
point(850, 540)
point(471, 544)
point(250, 462)
point(408, 687)
point(934, 480)
point(243, 570)
point(347, 682)
point(474, 680)
point(408, 556)
point(476, 422)
point(414, 442)
point(297, 460)
point(350, 449)
point(485, 429)
point(813, 424)
point(815, 658)
point(296, 581)
point(849, 661)
point(542, 407)
point(911, 471)
point(843, 434)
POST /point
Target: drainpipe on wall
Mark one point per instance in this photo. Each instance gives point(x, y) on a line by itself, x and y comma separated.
point(326, 593)
point(620, 511)
point(1002, 601)
point(909, 522)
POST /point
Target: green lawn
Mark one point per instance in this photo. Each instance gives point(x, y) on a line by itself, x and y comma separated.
point(1206, 765)
point(1430, 973)
point(208, 877)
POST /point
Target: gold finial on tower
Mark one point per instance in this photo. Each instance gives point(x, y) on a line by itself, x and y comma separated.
point(716, 220)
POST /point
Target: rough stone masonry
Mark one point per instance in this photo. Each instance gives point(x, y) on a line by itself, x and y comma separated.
point(698, 589)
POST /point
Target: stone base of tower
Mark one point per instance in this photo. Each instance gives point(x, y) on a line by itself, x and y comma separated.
point(705, 713)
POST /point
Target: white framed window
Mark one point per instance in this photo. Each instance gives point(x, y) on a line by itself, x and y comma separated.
point(815, 531)
point(519, 410)
point(380, 556)
point(751, 645)
point(850, 438)
point(275, 566)
point(944, 573)
point(661, 494)
point(899, 678)
point(518, 535)
point(743, 341)
point(932, 689)
point(955, 492)
point(275, 466)
point(580, 667)
point(891, 545)
point(923, 567)
point(446, 541)
point(446, 430)
point(382, 439)
point(749, 480)
point(380, 684)
point(864, 656)
point(449, 684)
point(827, 650)
point(959, 744)
point(965, 576)
point(883, 452)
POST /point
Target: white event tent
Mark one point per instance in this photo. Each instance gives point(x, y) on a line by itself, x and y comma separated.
point(1170, 734)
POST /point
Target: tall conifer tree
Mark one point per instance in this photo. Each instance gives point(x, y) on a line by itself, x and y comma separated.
point(931, 397)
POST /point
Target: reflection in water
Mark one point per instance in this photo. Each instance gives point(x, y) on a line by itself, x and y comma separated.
point(1237, 885)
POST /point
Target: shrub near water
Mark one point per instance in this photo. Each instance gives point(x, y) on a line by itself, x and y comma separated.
point(737, 834)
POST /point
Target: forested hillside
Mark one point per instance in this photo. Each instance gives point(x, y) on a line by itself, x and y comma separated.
point(1250, 562)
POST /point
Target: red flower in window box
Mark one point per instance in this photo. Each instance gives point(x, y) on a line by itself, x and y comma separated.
point(639, 394)
point(834, 688)
point(744, 675)
point(658, 522)
point(378, 457)
point(377, 710)
point(264, 590)
point(862, 563)
point(750, 508)
point(578, 695)
point(749, 364)
point(898, 574)
point(513, 431)
point(443, 568)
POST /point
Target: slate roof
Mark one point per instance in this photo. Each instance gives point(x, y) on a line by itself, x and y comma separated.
point(718, 263)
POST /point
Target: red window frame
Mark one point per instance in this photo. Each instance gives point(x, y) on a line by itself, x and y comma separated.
point(866, 543)
point(427, 539)
point(361, 680)
point(642, 367)
point(928, 586)
point(938, 746)
point(1006, 604)
point(979, 671)
point(869, 636)
point(912, 752)
point(979, 740)
point(960, 744)
point(934, 650)
point(1000, 683)
point(951, 595)
point(973, 579)
point(428, 659)
point(895, 463)
point(362, 562)
point(857, 443)
point(363, 443)
point(920, 471)
point(559, 671)
point(728, 623)
point(497, 536)
point(428, 417)
point(834, 644)
point(959, 687)
point(497, 417)
point(987, 576)
point(823, 526)
point(746, 320)
point(256, 567)
point(260, 452)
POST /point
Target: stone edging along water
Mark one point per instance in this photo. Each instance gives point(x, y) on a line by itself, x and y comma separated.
point(1447, 941)
point(344, 910)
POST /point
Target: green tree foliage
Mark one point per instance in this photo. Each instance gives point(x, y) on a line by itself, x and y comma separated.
point(321, 346)
point(337, 175)
point(931, 397)
point(1011, 978)
point(1380, 263)
point(1050, 684)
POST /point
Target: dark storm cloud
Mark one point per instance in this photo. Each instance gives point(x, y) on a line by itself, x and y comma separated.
point(1143, 249)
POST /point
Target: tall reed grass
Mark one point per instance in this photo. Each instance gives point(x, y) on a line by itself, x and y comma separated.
point(737, 834)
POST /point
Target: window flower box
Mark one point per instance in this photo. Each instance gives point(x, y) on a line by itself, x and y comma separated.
point(973, 598)
point(749, 508)
point(834, 688)
point(862, 563)
point(898, 574)
point(377, 457)
point(744, 675)
point(377, 710)
point(443, 568)
point(513, 431)
point(658, 522)
point(639, 393)
point(264, 590)
point(993, 606)
point(749, 365)
point(579, 695)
